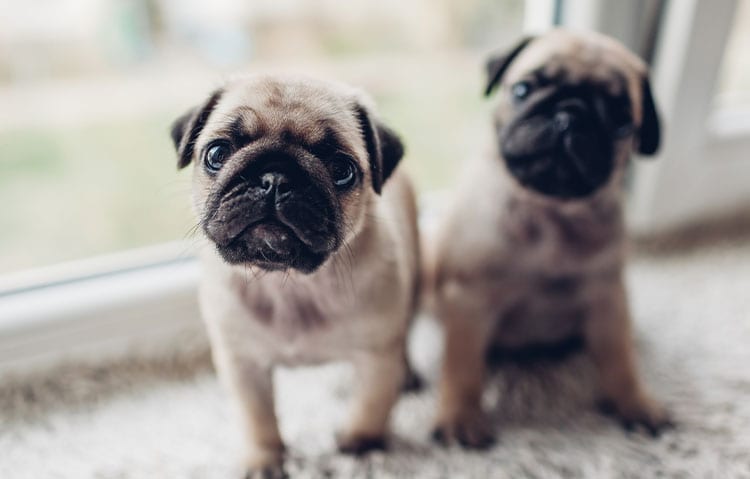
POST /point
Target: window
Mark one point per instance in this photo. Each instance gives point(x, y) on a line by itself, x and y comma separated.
point(701, 80)
point(733, 90)
point(90, 87)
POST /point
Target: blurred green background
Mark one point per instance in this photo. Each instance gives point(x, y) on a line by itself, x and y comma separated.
point(89, 89)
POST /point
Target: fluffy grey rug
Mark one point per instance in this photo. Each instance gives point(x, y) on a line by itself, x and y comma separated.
point(169, 419)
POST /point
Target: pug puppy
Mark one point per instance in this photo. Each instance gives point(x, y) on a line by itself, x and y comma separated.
point(533, 252)
point(312, 251)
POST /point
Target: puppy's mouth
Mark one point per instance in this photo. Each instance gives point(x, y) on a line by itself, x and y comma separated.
point(273, 246)
point(272, 229)
point(566, 154)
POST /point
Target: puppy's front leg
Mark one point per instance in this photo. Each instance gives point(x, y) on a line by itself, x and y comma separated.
point(460, 415)
point(252, 388)
point(608, 338)
point(380, 376)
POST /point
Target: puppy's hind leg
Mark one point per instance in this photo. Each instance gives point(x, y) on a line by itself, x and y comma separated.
point(608, 338)
point(380, 376)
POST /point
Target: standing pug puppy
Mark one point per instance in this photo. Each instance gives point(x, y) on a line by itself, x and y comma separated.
point(533, 253)
point(312, 253)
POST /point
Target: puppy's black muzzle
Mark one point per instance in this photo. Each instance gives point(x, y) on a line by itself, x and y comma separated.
point(562, 144)
point(272, 214)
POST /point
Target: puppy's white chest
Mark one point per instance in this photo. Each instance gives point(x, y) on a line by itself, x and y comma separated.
point(295, 323)
point(548, 311)
point(290, 315)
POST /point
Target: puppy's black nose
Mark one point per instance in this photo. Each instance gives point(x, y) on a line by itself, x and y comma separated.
point(562, 121)
point(570, 112)
point(277, 184)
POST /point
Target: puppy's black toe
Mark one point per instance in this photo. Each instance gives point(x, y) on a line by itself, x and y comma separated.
point(413, 382)
point(268, 472)
point(470, 434)
point(439, 436)
point(606, 407)
point(650, 418)
point(360, 445)
point(476, 438)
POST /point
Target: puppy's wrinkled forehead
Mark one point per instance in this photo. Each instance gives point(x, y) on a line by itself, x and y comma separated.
point(292, 109)
point(582, 57)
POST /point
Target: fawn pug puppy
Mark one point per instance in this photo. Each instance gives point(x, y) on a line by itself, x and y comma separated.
point(312, 251)
point(533, 252)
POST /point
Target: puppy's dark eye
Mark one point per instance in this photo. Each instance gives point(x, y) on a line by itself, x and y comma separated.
point(343, 173)
point(215, 154)
point(520, 90)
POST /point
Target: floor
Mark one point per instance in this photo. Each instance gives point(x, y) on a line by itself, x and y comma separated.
point(168, 418)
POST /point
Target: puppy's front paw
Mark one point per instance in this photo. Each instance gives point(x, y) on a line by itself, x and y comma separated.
point(469, 429)
point(266, 464)
point(644, 413)
point(268, 472)
point(358, 444)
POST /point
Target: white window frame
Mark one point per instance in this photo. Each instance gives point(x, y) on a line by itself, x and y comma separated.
point(703, 150)
point(704, 165)
point(132, 302)
point(100, 308)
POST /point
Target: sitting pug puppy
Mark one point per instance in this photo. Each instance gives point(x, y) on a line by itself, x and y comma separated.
point(533, 252)
point(312, 251)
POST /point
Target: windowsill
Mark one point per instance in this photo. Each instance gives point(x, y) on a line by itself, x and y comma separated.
point(96, 266)
point(729, 124)
point(102, 313)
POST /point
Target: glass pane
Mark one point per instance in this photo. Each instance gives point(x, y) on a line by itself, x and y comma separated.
point(734, 78)
point(88, 90)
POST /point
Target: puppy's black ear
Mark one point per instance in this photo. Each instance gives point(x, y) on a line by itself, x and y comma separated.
point(498, 63)
point(188, 126)
point(649, 134)
point(384, 147)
